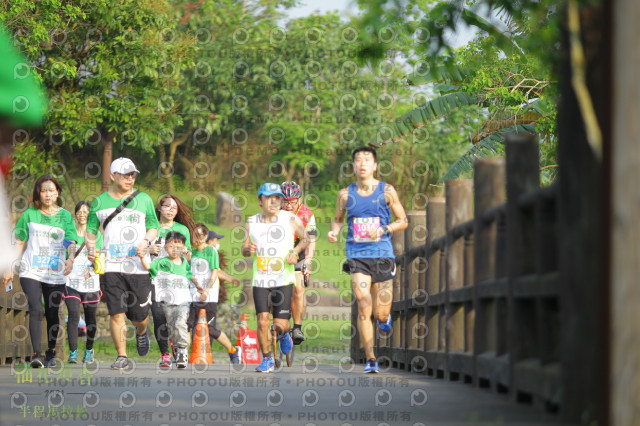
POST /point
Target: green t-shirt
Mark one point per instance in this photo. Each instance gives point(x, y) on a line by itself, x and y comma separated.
point(173, 282)
point(124, 232)
point(176, 227)
point(45, 254)
point(203, 262)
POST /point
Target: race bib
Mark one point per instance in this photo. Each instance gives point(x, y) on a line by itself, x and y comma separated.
point(268, 264)
point(361, 228)
point(46, 263)
point(121, 251)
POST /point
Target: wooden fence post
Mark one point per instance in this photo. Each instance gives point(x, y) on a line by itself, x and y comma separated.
point(434, 341)
point(489, 191)
point(459, 209)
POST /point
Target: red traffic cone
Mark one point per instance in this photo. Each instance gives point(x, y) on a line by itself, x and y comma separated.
point(201, 349)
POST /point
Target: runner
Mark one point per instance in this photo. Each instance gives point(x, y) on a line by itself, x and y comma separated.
point(291, 203)
point(172, 274)
point(83, 288)
point(370, 259)
point(173, 215)
point(213, 240)
point(205, 268)
point(130, 224)
point(44, 231)
point(270, 236)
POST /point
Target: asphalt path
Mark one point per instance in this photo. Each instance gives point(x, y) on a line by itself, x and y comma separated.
point(307, 394)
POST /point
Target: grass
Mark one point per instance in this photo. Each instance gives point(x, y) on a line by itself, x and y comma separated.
point(324, 336)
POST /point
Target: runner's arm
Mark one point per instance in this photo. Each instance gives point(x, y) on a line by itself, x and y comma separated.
point(90, 241)
point(212, 280)
point(338, 220)
point(226, 277)
point(248, 247)
point(393, 201)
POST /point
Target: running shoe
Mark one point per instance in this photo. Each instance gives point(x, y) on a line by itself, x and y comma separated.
point(235, 357)
point(285, 343)
point(298, 336)
point(73, 357)
point(50, 358)
point(182, 361)
point(37, 361)
point(143, 344)
point(371, 367)
point(166, 360)
point(121, 363)
point(88, 356)
point(266, 366)
point(385, 326)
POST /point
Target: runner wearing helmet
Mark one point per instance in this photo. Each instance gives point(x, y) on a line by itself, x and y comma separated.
point(291, 202)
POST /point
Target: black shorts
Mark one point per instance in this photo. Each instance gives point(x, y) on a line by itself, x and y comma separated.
point(81, 297)
point(277, 297)
point(127, 293)
point(211, 308)
point(378, 269)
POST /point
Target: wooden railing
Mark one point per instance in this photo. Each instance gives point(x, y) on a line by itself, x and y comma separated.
point(476, 297)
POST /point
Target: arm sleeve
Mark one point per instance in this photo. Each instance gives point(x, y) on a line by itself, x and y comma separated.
point(153, 268)
point(22, 227)
point(214, 262)
point(151, 218)
point(69, 228)
point(92, 220)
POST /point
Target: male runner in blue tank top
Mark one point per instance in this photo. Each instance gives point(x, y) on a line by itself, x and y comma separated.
point(370, 259)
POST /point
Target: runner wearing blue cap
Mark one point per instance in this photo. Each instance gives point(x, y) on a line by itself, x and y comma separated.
point(270, 235)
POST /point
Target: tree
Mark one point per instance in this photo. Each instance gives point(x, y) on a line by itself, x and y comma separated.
point(111, 67)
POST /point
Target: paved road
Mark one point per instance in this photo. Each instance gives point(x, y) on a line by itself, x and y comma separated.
point(306, 394)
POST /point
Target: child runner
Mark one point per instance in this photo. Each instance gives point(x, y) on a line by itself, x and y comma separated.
point(173, 281)
point(204, 269)
point(83, 288)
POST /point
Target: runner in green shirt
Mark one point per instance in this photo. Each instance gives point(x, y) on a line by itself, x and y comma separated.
point(126, 283)
point(44, 233)
point(173, 216)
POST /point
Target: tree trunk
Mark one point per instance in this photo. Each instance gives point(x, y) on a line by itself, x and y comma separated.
point(107, 158)
point(165, 169)
point(172, 156)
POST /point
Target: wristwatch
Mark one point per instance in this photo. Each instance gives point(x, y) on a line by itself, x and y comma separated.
point(148, 242)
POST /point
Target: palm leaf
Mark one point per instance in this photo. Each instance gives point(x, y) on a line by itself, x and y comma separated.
point(447, 73)
point(489, 146)
point(421, 116)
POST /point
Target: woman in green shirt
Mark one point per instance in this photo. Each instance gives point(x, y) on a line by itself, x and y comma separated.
point(173, 216)
point(44, 233)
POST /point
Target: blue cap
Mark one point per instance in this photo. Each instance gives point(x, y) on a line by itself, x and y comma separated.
point(268, 189)
point(214, 234)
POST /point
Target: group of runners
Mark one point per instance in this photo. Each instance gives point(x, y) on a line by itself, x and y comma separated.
point(155, 258)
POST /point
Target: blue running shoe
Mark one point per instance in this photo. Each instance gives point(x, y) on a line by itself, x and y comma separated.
point(285, 343)
point(266, 366)
point(88, 356)
point(385, 326)
point(371, 367)
point(234, 358)
point(73, 357)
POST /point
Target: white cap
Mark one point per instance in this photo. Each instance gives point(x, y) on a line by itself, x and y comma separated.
point(123, 166)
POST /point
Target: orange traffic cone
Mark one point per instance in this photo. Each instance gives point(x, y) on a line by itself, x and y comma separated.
point(201, 349)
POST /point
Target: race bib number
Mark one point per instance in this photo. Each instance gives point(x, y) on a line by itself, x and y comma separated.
point(268, 264)
point(46, 263)
point(361, 228)
point(121, 251)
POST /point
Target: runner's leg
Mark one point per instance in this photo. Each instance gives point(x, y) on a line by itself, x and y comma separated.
point(90, 310)
point(361, 285)
point(382, 297)
point(33, 290)
point(119, 333)
point(52, 300)
point(73, 307)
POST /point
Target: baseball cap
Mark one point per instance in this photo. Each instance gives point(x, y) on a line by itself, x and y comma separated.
point(123, 166)
point(214, 234)
point(268, 189)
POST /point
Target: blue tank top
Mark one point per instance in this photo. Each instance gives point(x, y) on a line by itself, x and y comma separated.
point(364, 213)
